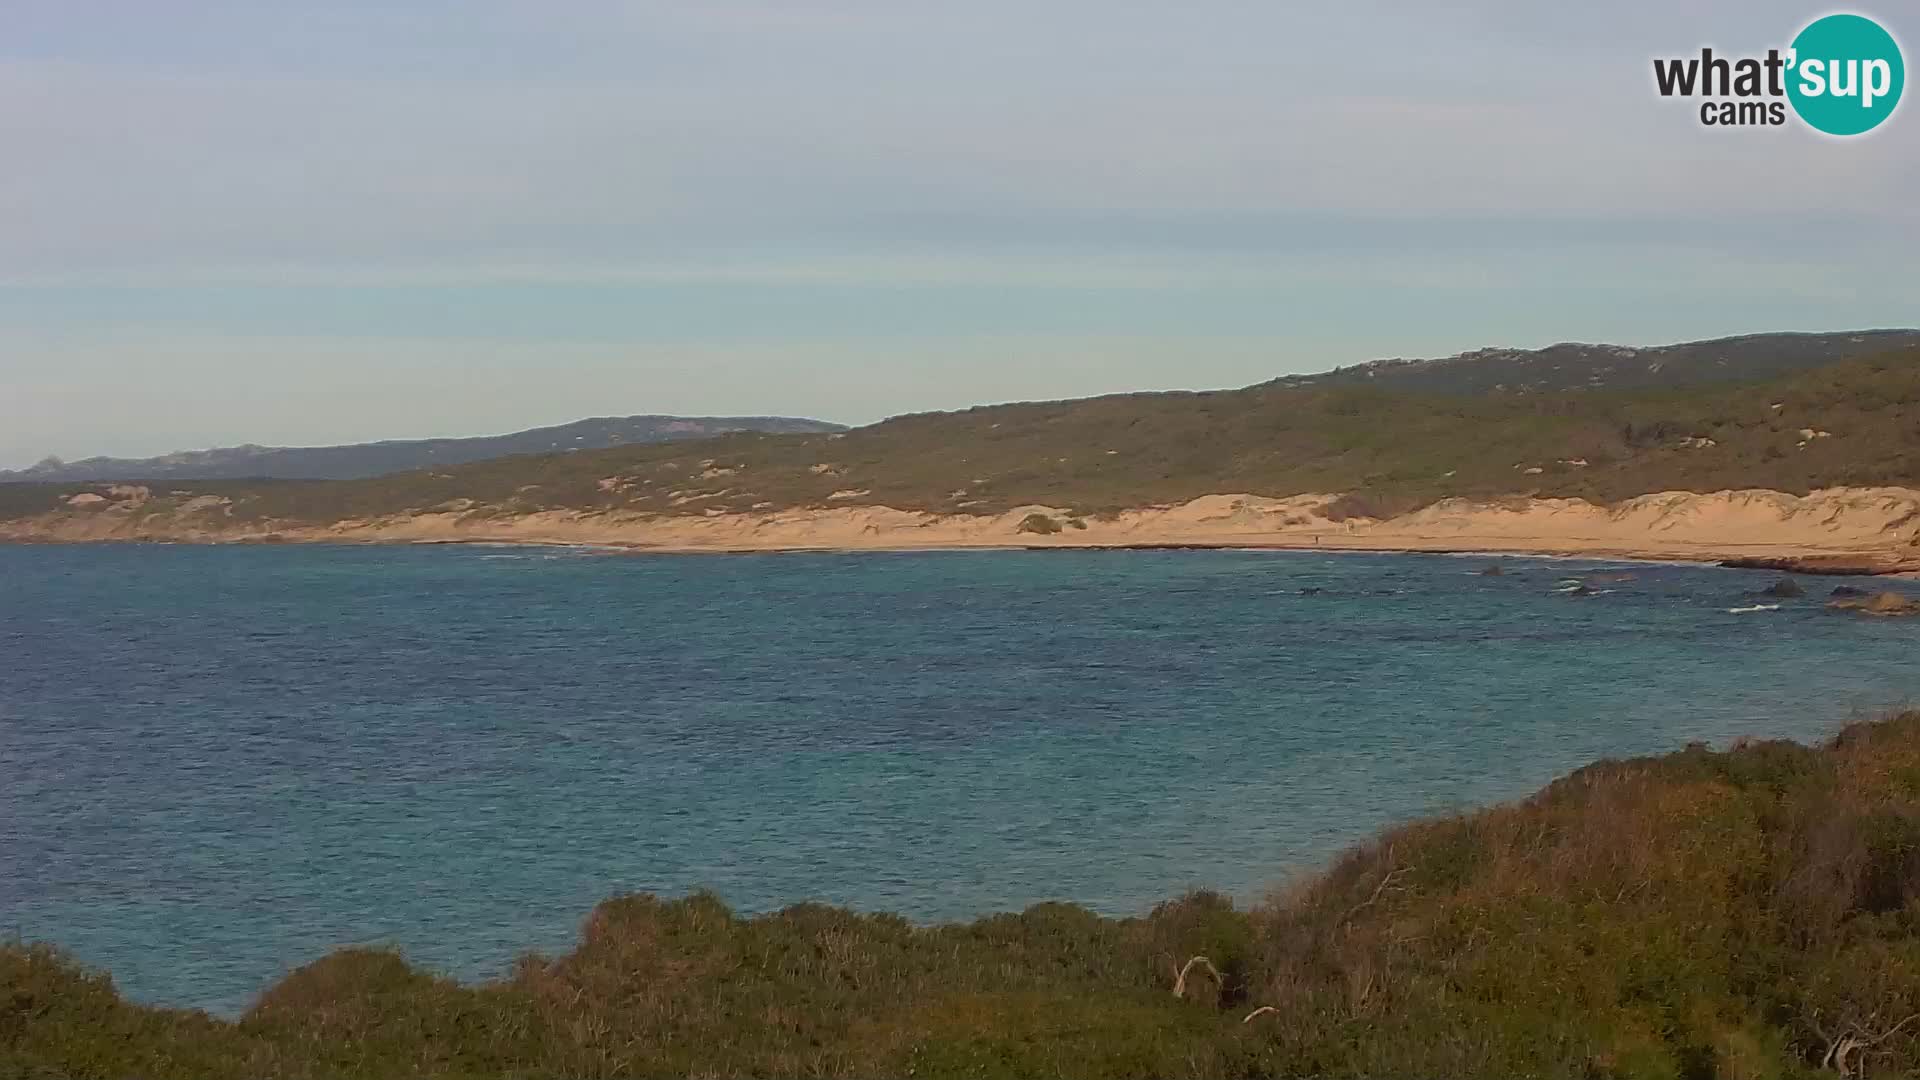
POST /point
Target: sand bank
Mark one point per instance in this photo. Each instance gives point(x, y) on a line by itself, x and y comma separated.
point(1836, 530)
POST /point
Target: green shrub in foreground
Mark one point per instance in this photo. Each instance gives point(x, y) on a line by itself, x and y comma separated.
point(1752, 913)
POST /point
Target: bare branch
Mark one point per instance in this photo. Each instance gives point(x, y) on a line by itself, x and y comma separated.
point(1890, 1032)
point(1386, 882)
point(1180, 980)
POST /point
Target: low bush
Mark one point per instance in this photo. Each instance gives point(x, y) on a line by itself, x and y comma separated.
point(1747, 913)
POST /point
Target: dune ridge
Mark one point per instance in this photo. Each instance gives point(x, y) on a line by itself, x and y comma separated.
point(1874, 529)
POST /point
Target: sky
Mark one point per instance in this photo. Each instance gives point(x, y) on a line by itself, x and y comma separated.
point(293, 223)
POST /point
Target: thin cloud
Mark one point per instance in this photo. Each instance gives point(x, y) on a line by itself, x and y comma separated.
point(895, 178)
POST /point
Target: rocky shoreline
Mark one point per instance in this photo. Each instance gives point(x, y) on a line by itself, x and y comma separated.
point(1862, 564)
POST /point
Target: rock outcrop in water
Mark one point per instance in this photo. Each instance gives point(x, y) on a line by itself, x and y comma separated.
point(1889, 604)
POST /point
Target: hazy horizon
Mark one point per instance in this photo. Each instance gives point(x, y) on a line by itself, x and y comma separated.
point(231, 223)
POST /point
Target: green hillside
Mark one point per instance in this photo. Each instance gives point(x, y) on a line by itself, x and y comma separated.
point(1579, 366)
point(1394, 449)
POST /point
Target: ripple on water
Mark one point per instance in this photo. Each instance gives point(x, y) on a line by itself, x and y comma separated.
point(217, 763)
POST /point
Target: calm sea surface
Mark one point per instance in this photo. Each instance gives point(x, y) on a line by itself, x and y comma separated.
point(218, 763)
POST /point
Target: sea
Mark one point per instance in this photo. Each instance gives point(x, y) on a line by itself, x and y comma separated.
point(219, 763)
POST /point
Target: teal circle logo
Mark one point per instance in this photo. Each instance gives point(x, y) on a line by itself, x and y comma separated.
point(1846, 74)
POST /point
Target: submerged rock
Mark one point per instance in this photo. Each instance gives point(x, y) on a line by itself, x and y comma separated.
point(1493, 570)
point(1847, 590)
point(1881, 603)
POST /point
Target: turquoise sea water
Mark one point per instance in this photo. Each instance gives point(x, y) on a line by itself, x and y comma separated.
point(218, 763)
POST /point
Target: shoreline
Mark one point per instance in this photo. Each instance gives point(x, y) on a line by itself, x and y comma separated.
point(1809, 562)
point(1812, 563)
point(1840, 531)
point(1542, 551)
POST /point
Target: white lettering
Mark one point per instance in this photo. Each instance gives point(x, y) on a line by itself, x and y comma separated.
point(1879, 80)
point(1813, 77)
point(1847, 87)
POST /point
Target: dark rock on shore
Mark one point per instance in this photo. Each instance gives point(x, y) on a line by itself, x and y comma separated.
point(1866, 563)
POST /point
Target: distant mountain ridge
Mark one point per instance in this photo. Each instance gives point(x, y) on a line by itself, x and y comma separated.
point(363, 460)
point(1494, 373)
point(1580, 366)
point(1382, 448)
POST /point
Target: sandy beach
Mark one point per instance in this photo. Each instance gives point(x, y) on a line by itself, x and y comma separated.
point(1861, 530)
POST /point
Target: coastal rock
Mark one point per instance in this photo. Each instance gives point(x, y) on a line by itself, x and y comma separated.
point(1847, 590)
point(1881, 603)
point(1493, 570)
point(1861, 563)
point(1785, 588)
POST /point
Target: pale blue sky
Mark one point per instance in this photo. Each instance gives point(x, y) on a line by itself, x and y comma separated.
point(295, 223)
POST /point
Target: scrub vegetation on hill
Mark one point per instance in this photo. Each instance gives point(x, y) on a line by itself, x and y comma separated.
point(1847, 424)
point(1578, 366)
point(1747, 913)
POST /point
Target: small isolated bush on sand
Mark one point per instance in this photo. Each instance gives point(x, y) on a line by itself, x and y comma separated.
point(1359, 504)
point(1040, 524)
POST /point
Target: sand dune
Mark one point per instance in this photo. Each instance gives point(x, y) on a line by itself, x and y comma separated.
point(1872, 528)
